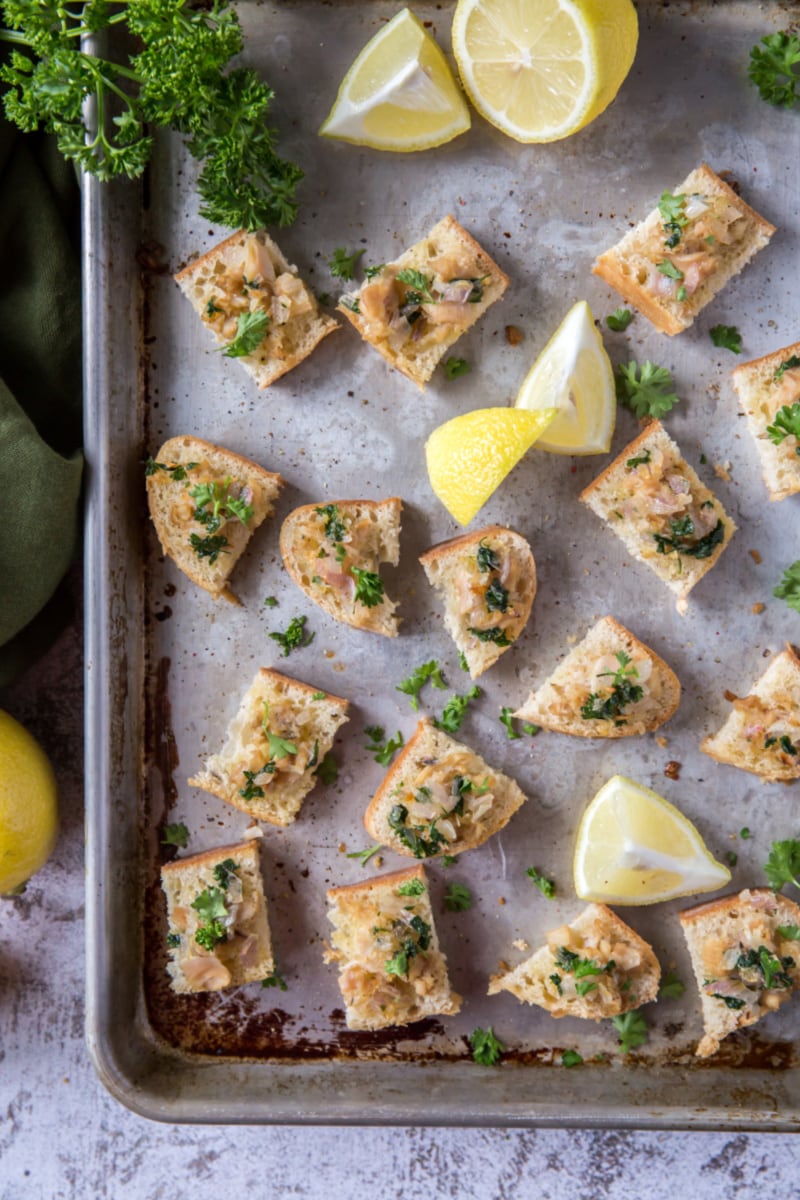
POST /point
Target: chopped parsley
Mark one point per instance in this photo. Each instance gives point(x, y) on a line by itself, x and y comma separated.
point(623, 692)
point(788, 364)
point(270, 602)
point(786, 424)
point(773, 63)
point(727, 337)
point(455, 367)
point(173, 939)
point(411, 887)
point(176, 470)
point(495, 635)
point(572, 964)
point(214, 505)
point(571, 1058)
point(584, 986)
point(486, 1048)
point(429, 671)
point(669, 269)
point(335, 528)
point(789, 933)
point(328, 769)
point(212, 309)
point(488, 559)
point(672, 988)
point(318, 696)
point(419, 284)
point(732, 858)
point(208, 547)
point(555, 979)
point(462, 661)
point(619, 320)
point(458, 898)
point(496, 597)
point(673, 216)
point(420, 847)
point(225, 871)
point(640, 460)
point(507, 719)
point(175, 835)
point(211, 908)
point(369, 587)
point(415, 938)
point(251, 329)
point(789, 587)
point(546, 886)
point(351, 303)
point(343, 264)
point(632, 1030)
point(681, 530)
point(275, 980)
point(763, 963)
point(295, 637)
point(251, 789)
point(645, 390)
point(365, 855)
point(733, 1002)
point(371, 272)
point(744, 833)
point(783, 864)
point(455, 709)
point(383, 751)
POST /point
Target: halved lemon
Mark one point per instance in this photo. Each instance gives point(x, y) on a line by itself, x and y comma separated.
point(542, 69)
point(573, 374)
point(634, 847)
point(470, 456)
point(399, 94)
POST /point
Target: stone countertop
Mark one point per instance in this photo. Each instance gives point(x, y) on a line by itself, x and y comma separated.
point(62, 1137)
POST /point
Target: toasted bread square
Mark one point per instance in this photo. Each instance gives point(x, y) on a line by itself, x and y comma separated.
point(391, 970)
point(415, 308)
point(488, 581)
point(595, 967)
point(248, 274)
point(668, 519)
point(279, 736)
point(766, 387)
point(611, 674)
point(762, 734)
point(333, 552)
point(206, 503)
point(745, 957)
point(671, 267)
point(218, 933)
point(440, 797)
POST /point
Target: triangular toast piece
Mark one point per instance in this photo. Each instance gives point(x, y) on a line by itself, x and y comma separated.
point(277, 739)
point(762, 734)
point(391, 970)
point(440, 797)
point(610, 685)
point(745, 952)
point(206, 503)
point(333, 552)
point(488, 581)
point(595, 967)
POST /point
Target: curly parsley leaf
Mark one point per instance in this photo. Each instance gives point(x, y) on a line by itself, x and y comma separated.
point(455, 367)
point(632, 1030)
point(419, 284)
point(783, 864)
point(295, 637)
point(342, 265)
point(772, 69)
point(458, 898)
point(383, 751)
point(486, 1048)
point(727, 337)
point(208, 547)
point(645, 390)
point(411, 887)
point(619, 320)
point(455, 709)
point(175, 835)
point(251, 329)
point(789, 587)
point(429, 671)
point(786, 424)
point(496, 635)
point(681, 531)
point(546, 886)
point(369, 587)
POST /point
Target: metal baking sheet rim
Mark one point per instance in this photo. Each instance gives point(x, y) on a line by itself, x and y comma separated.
point(136, 1068)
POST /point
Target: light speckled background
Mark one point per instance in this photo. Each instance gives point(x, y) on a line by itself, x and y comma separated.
point(63, 1138)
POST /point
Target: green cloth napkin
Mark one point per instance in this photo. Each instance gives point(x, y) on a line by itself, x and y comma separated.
point(40, 390)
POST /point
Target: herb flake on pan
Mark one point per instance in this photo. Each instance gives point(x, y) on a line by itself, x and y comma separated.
point(342, 264)
point(672, 988)
point(454, 367)
point(789, 587)
point(486, 1048)
point(546, 886)
point(455, 709)
point(726, 337)
point(632, 1030)
point(458, 898)
point(619, 320)
point(175, 835)
point(384, 751)
point(328, 770)
point(411, 687)
point(275, 980)
point(295, 636)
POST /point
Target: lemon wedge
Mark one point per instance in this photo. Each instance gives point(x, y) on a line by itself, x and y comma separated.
point(543, 69)
point(470, 456)
point(574, 374)
point(634, 847)
point(399, 94)
point(28, 805)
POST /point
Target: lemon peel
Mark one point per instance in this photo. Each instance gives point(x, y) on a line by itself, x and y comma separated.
point(28, 805)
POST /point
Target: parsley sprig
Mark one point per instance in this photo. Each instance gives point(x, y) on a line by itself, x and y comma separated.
point(342, 265)
point(623, 692)
point(773, 63)
point(789, 587)
point(428, 672)
point(295, 637)
point(486, 1048)
point(251, 329)
point(783, 864)
point(786, 424)
point(619, 320)
point(645, 390)
point(727, 337)
point(455, 710)
point(384, 751)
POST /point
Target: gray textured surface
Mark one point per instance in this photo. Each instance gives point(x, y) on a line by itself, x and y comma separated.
point(63, 1138)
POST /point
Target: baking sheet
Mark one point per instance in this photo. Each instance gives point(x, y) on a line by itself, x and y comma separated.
point(167, 667)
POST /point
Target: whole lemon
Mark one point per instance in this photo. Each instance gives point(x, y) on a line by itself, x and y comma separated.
point(28, 805)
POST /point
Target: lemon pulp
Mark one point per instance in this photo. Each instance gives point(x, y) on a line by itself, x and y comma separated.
point(543, 69)
point(399, 94)
point(28, 805)
point(634, 847)
point(574, 374)
point(469, 456)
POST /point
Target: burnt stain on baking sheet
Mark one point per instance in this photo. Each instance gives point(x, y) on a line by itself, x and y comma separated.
point(161, 744)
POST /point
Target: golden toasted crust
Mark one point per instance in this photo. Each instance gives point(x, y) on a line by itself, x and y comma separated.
point(171, 507)
point(418, 359)
point(556, 704)
point(378, 883)
point(372, 538)
point(622, 264)
point(450, 567)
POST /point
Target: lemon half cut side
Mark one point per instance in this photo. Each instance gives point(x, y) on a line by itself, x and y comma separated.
point(634, 847)
point(399, 94)
point(541, 70)
point(574, 374)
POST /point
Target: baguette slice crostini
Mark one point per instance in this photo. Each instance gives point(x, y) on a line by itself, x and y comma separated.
point(610, 685)
point(218, 928)
point(412, 310)
point(595, 967)
point(762, 734)
point(391, 970)
point(333, 551)
point(488, 582)
point(246, 280)
point(667, 518)
point(769, 391)
point(440, 797)
point(206, 502)
point(745, 957)
point(675, 261)
point(279, 736)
